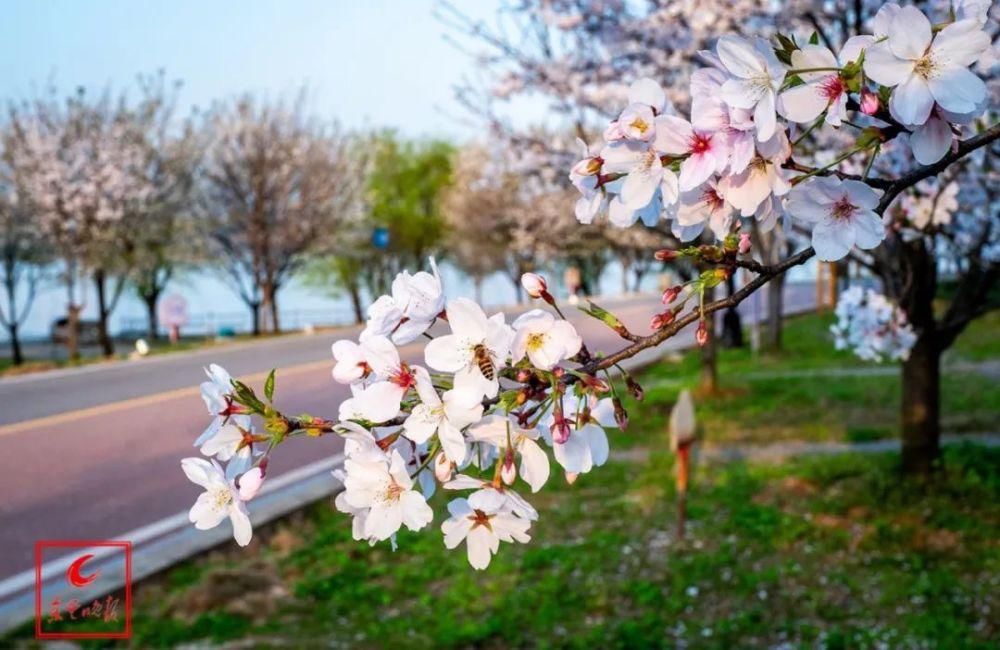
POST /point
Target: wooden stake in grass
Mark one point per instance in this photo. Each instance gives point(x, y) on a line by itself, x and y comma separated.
point(682, 435)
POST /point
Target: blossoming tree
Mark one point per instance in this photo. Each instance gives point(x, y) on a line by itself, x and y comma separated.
point(493, 398)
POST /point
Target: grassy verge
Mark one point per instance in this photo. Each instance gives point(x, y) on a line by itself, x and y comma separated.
point(826, 551)
point(813, 392)
point(835, 551)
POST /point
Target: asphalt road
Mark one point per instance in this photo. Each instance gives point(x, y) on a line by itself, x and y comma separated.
point(94, 452)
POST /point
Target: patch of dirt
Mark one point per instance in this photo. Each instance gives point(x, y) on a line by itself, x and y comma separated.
point(253, 591)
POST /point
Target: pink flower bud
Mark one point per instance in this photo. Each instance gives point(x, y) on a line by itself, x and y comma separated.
point(507, 471)
point(671, 294)
point(701, 336)
point(560, 430)
point(665, 255)
point(534, 284)
point(869, 102)
point(661, 320)
point(744, 247)
point(523, 376)
point(571, 477)
point(443, 468)
point(250, 483)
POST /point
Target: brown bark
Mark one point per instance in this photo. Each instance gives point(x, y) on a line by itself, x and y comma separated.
point(103, 336)
point(16, 355)
point(73, 332)
point(921, 400)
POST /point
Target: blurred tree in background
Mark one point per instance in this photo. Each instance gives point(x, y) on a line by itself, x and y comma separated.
point(276, 183)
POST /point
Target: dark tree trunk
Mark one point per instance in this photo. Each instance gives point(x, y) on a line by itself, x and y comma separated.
point(275, 323)
point(921, 407)
point(103, 336)
point(254, 316)
point(775, 314)
point(73, 332)
point(150, 298)
point(732, 326)
point(16, 355)
point(921, 402)
point(355, 292)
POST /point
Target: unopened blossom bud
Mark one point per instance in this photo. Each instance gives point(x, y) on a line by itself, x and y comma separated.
point(251, 481)
point(571, 477)
point(671, 294)
point(661, 320)
point(633, 386)
point(665, 255)
point(534, 284)
point(870, 103)
point(596, 384)
point(701, 336)
point(560, 430)
point(621, 415)
point(744, 247)
point(443, 468)
point(507, 470)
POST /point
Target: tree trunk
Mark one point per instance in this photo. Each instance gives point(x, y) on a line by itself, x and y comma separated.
point(623, 262)
point(732, 326)
point(103, 336)
point(16, 355)
point(73, 332)
point(275, 323)
point(152, 321)
point(921, 400)
point(775, 314)
point(921, 407)
point(254, 316)
point(355, 293)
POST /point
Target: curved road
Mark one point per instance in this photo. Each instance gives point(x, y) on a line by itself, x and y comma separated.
point(93, 452)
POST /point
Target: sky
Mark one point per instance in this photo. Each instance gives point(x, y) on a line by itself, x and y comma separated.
point(366, 63)
point(369, 63)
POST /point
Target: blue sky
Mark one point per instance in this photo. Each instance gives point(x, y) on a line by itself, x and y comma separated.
point(368, 63)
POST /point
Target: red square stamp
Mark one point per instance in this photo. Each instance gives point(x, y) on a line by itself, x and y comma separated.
point(79, 592)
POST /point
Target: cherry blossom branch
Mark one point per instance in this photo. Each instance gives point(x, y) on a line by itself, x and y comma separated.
point(964, 148)
point(767, 273)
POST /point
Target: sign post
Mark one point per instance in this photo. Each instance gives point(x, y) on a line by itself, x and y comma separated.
point(173, 315)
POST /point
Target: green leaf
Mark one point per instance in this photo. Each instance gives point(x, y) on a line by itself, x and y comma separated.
point(814, 38)
point(269, 386)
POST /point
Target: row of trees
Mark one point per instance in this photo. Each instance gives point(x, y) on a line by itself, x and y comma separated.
point(117, 193)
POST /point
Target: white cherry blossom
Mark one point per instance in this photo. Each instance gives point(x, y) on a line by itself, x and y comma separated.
point(482, 523)
point(220, 500)
point(475, 350)
point(445, 415)
point(383, 491)
point(924, 68)
point(503, 435)
point(757, 77)
point(544, 339)
point(842, 213)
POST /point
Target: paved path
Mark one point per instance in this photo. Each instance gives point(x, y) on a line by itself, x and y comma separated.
point(91, 453)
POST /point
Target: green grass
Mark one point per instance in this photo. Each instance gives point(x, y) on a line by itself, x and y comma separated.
point(793, 396)
point(827, 551)
point(832, 551)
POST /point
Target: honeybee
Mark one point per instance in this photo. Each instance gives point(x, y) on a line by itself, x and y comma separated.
point(484, 359)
